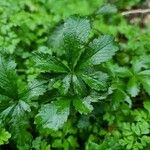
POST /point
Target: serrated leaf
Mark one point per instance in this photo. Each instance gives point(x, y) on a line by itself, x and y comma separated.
point(40, 144)
point(100, 50)
point(4, 136)
point(52, 116)
point(66, 84)
point(36, 88)
point(83, 105)
point(8, 78)
point(76, 33)
point(78, 85)
point(49, 63)
point(107, 9)
point(96, 81)
point(15, 111)
point(146, 84)
point(133, 87)
point(56, 40)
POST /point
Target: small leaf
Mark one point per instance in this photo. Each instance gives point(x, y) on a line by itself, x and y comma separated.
point(83, 105)
point(147, 106)
point(78, 85)
point(122, 72)
point(66, 84)
point(146, 84)
point(145, 73)
point(107, 9)
point(4, 136)
point(52, 116)
point(133, 87)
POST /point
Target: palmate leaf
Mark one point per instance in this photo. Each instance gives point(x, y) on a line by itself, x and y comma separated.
point(100, 50)
point(70, 38)
point(52, 116)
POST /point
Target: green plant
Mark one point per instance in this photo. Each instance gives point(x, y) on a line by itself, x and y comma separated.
point(72, 70)
point(74, 75)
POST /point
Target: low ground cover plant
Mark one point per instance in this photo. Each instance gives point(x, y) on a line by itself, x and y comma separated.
point(71, 78)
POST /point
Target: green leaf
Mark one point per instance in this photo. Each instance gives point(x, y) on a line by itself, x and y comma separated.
point(8, 78)
point(100, 50)
point(49, 63)
point(4, 136)
point(52, 116)
point(76, 34)
point(15, 111)
point(144, 73)
point(66, 83)
point(96, 81)
point(56, 40)
point(107, 9)
point(146, 84)
point(83, 106)
point(39, 144)
point(133, 87)
point(120, 95)
point(36, 88)
point(147, 106)
point(21, 135)
point(78, 85)
point(122, 72)
point(77, 28)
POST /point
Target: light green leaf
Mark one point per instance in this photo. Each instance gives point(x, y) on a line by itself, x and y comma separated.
point(4, 136)
point(107, 9)
point(83, 106)
point(133, 87)
point(146, 84)
point(122, 72)
point(147, 106)
point(144, 73)
point(52, 116)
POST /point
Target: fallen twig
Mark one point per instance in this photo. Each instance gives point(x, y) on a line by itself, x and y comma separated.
point(141, 11)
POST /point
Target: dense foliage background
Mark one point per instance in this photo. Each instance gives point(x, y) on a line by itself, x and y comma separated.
point(74, 74)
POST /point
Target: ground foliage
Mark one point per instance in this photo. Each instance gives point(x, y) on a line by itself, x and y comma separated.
point(74, 75)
